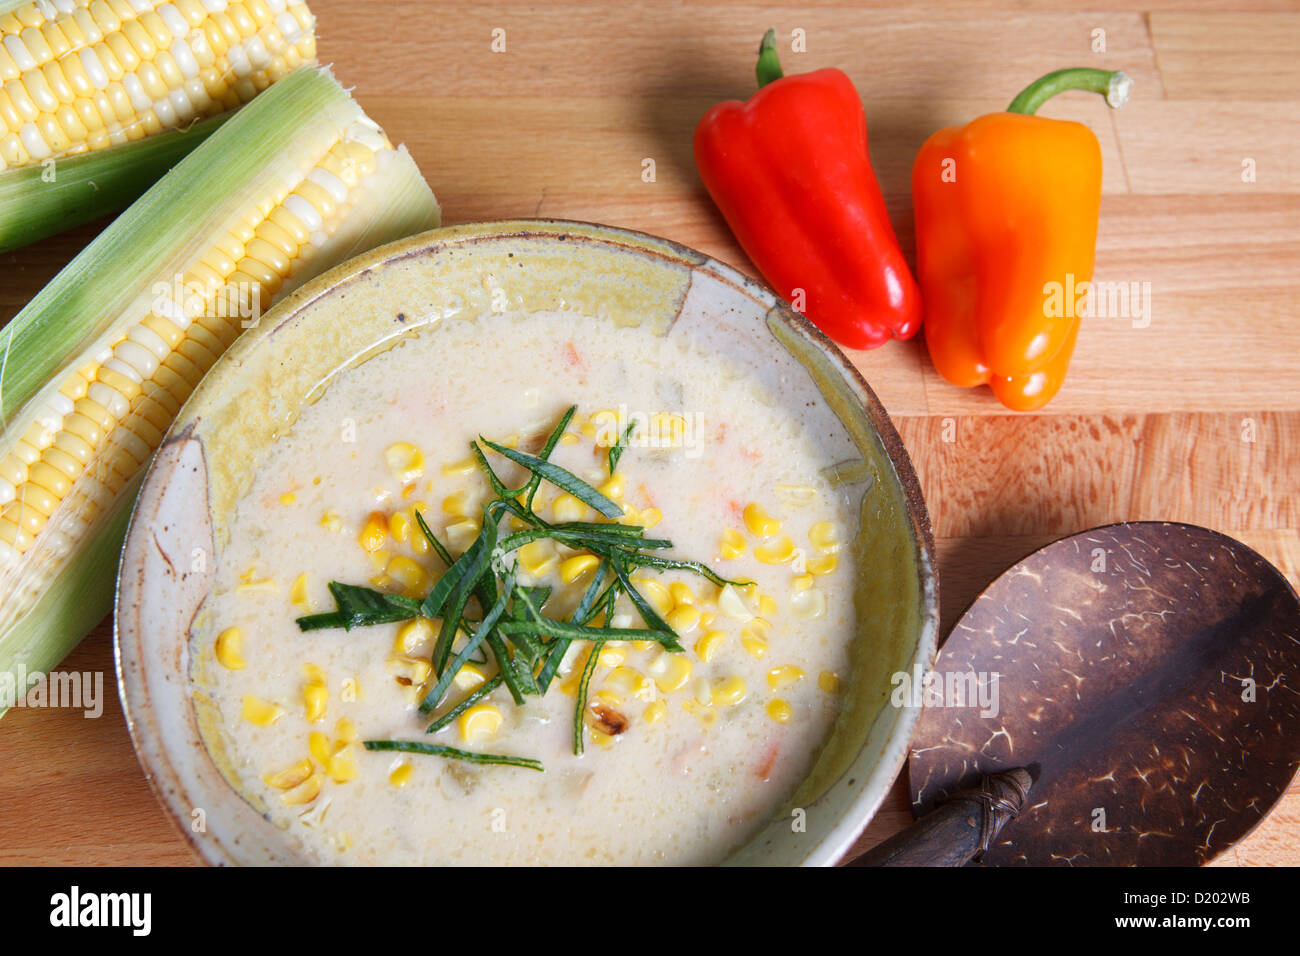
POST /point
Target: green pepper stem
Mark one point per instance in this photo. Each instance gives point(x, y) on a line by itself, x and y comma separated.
point(769, 62)
point(1113, 84)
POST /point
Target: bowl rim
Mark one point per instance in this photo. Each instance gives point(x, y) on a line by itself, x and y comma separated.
point(840, 837)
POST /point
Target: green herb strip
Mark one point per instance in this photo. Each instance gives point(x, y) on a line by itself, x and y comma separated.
point(633, 559)
point(562, 478)
point(579, 715)
point(438, 750)
point(577, 632)
point(360, 607)
point(434, 697)
point(620, 446)
point(477, 562)
point(498, 487)
point(551, 442)
point(434, 543)
point(648, 613)
point(591, 540)
point(560, 646)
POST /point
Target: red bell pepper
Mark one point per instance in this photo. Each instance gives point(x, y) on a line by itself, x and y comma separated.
point(790, 172)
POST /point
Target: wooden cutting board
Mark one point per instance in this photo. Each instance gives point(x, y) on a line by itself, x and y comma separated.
point(1191, 413)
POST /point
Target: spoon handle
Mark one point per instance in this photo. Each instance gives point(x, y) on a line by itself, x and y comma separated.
point(959, 829)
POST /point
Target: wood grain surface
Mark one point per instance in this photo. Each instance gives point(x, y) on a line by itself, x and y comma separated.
point(1191, 413)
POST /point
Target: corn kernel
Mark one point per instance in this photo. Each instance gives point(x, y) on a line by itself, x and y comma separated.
point(229, 649)
point(668, 429)
point(479, 722)
point(571, 569)
point(779, 710)
point(755, 644)
point(829, 681)
point(405, 461)
point(708, 645)
point(260, 713)
point(374, 532)
point(631, 683)
point(601, 738)
point(313, 674)
point(419, 543)
point(411, 576)
point(683, 619)
point(759, 523)
point(823, 537)
point(612, 655)
point(702, 690)
point(414, 638)
point(785, 674)
point(629, 515)
point(614, 488)
point(401, 774)
point(457, 504)
point(707, 715)
point(802, 582)
point(609, 698)
point(656, 594)
point(410, 672)
point(670, 671)
point(266, 585)
point(823, 565)
point(797, 496)
point(315, 696)
point(461, 534)
point(732, 604)
point(568, 508)
point(777, 553)
point(729, 691)
point(318, 745)
point(538, 557)
point(469, 678)
point(298, 592)
point(345, 730)
point(332, 521)
point(706, 618)
point(732, 544)
point(651, 517)
point(290, 777)
point(655, 711)
point(399, 526)
point(465, 466)
point(681, 593)
point(305, 792)
point(288, 498)
point(809, 605)
point(342, 765)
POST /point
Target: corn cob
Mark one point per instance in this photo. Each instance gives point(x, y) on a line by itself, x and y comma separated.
point(94, 369)
point(82, 76)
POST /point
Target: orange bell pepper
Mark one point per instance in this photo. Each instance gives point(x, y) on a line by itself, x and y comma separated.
point(1006, 223)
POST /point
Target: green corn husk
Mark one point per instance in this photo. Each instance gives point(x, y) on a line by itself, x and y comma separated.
point(62, 584)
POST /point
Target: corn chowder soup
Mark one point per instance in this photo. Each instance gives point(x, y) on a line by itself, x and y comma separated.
point(594, 697)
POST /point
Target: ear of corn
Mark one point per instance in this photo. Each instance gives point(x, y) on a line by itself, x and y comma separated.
point(94, 369)
point(80, 78)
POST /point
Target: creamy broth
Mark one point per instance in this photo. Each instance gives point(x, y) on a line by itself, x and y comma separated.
point(685, 788)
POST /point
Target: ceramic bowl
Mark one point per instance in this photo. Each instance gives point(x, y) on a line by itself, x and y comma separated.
point(370, 303)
